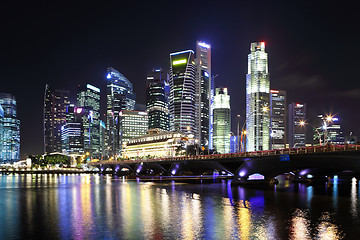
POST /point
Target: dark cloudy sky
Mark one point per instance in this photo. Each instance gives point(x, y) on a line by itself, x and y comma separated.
point(312, 45)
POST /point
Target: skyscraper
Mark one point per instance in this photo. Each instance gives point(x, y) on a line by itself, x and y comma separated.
point(88, 98)
point(222, 120)
point(203, 88)
point(72, 132)
point(132, 124)
point(182, 91)
point(278, 115)
point(157, 100)
point(120, 96)
point(55, 105)
point(257, 99)
point(297, 133)
point(10, 129)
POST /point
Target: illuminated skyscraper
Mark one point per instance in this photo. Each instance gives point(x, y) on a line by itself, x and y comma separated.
point(203, 95)
point(132, 124)
point(297, 133)
point(72, 132)
point(222, 120)
point(120, 97)
point(10, 126)
point(88, 98)
point(278, 112)
point(182, 91)
point(257, 99)
point(55, 105)
point(157, 100)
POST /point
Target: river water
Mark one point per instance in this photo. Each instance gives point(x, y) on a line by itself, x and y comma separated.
point(104, 207)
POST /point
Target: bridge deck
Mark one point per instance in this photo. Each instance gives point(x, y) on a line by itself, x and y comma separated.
point(305, 150)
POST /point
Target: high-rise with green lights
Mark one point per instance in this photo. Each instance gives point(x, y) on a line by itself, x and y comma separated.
point(222, 120)
point(257, 99)
point(182, 92)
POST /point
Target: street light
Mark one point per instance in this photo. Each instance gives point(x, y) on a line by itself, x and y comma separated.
point(302, 123)
point(237, 139)
point(243, 129)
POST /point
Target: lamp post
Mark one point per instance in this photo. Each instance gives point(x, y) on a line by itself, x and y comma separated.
point(303, 123)
point(244, 129)
point(237, 139)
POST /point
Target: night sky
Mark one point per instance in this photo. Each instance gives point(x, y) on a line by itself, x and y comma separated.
point(312, 47)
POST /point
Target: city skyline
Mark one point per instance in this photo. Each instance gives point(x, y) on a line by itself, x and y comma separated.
point(307, 57)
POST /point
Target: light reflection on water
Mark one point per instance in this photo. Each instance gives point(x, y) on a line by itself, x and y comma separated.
point(102, 207)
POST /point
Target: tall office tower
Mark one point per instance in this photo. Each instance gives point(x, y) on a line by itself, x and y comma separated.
point(278, 115)
point(120, 96)
point(182, 92)
point(222, 120)
point(102, 138)
point(72, 132)
point(203, 87)
point(55, 105)
point(297, 133)
point(157, 100)
point(257, 99)
point(88, 98)
point(10, 142)
point(132, 124)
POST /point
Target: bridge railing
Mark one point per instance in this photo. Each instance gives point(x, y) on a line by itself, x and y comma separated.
point(301, 150)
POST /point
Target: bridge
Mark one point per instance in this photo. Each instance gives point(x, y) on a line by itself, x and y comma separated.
point(246, 166)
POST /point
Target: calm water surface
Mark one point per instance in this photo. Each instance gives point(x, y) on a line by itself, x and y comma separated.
point(104, 207)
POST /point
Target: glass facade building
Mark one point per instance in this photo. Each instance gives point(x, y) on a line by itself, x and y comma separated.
point(55, 105)
point(297, 133)
point(132, 124)
point(10, 129)
point(222, 120)
point(88, 98)
point(157, 100)
point(257, 98)
point(182, 92)
point(278, 115)
point(120, 96)
point(72, 132)
point(203, 96)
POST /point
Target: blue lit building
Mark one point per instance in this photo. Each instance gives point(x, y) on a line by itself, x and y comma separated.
point(203, 95)
point(157, 100)
point(120, 96)
point(10, 129)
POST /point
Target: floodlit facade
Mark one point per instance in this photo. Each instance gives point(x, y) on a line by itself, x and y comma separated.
point(182, 92)
point(88, 98)
point(55, 105)
point(9, 129)
point(157, 100)
point(257, 99)
point(278, 115)
point(222, 120)
point(297, 133)
point(120, 96)
point(156, 144)
point(132, 124)
point(203, 95)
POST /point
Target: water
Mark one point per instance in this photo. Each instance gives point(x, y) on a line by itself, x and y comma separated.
point(104, 207)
